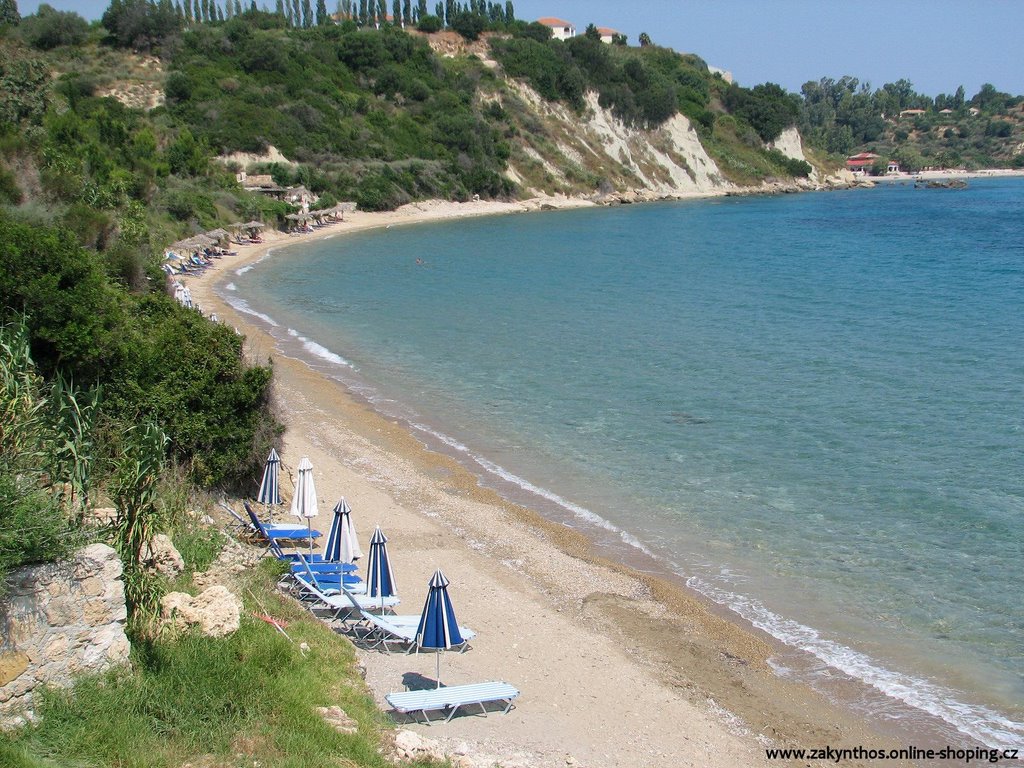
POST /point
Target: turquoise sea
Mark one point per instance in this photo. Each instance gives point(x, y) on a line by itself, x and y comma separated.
point(810, 408)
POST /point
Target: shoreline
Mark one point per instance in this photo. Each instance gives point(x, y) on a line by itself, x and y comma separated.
point(710, 671)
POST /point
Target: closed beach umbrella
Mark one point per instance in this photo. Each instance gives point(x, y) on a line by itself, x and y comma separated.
point(304, 500)
point(342, 545)
point(270, 486)
point(380, 579)
point(438, 628)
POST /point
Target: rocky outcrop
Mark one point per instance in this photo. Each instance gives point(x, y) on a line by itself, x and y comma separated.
point(59, 620)
point(411, 746)
point(633, 163)
point(161, 556)
point(215, 611)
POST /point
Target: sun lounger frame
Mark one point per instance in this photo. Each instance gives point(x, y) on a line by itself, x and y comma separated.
point(453, 698)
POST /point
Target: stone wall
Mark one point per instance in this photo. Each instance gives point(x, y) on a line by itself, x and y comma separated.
point(56, 621)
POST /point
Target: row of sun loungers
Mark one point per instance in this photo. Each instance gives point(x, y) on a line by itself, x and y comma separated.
point(336, 589)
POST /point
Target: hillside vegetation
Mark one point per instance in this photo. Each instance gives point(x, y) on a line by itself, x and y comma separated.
point(895, 122)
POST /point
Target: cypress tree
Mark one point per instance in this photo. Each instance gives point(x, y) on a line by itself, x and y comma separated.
point(9, 13)
point(238, 7)
point(362, 13)
point(382, 12)
point(510, 12)
point(321, 13)
point(396, 12)
point(421, 9)
point(307, 14)
point(407, 13)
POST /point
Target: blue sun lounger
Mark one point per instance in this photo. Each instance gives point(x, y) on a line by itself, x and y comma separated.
point(344, 601)
point(379, 631)
point(274, 531)
point(453, 698)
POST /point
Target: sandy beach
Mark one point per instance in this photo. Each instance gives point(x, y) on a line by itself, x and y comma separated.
point(615, 667)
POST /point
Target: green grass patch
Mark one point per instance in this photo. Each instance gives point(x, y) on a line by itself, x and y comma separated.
point(249, 697)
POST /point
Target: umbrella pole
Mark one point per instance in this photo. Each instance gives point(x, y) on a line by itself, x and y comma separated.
point(437, 655)
point(309, 528)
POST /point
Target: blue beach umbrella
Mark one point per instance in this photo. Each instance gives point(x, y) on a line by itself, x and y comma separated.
point(304, 500)
point(270, 487)
point(380, 579)
point(438, 628)
point(342, 545)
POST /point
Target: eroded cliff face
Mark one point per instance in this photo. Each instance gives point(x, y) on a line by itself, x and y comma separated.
point(577, 154)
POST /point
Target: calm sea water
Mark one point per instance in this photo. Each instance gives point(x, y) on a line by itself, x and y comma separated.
point(810, 407)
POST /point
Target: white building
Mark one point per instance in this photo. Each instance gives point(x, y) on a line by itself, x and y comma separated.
point(560, 29)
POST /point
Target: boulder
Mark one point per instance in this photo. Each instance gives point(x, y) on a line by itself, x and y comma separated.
point(160, 555)
point(215, 611)
point(338, 719)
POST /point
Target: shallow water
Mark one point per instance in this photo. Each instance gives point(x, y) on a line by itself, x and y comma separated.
point(808, 406)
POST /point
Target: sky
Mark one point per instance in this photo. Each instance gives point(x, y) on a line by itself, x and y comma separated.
point(936, 44)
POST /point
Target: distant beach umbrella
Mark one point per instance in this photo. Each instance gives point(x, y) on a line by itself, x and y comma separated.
point(304, 500)
point(270, 485)
point(342, 545)
point(438, 628)
point(380, 579)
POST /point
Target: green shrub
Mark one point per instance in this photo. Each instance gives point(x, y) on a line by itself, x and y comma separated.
point(429, 24)
point(10, 193)
point(49, 28)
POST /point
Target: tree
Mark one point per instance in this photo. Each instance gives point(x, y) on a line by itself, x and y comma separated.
point(467, 24)
point(9, 13)
point(510, 12)
point(429, 24)
point(307, 14)
point(49, 28)
point(407, 13)
point(591, 33)
point(958, 99)
point(61, 290)
point(321, 13)
point(619, 39)
point(396, 12)
point(644, 39)
point(143, 25)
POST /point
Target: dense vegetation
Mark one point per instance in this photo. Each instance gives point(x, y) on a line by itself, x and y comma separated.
point(111, 390)
point(382, 119)
point(846, 116)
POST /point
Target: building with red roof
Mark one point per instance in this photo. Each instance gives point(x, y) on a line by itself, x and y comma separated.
point(560, 28)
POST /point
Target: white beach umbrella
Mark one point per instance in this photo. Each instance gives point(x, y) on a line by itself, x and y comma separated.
point(304, 500)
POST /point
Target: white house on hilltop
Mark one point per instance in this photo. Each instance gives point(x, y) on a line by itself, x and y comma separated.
point(560, 29)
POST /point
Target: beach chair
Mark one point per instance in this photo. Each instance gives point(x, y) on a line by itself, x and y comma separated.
point(390, 631)
point(343, 601)
point(453, 698)
point(329, 576)
point(274, 531)
point(239, 525)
